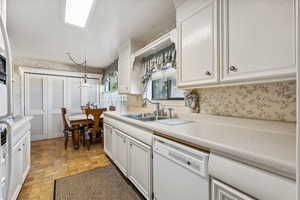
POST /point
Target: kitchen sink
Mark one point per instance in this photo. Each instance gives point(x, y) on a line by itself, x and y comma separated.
point(145, 117)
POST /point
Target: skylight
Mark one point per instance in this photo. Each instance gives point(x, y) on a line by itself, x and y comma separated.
point(77, 12)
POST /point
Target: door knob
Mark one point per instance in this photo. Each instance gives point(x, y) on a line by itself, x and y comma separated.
point(208, 73)
point(233, 68)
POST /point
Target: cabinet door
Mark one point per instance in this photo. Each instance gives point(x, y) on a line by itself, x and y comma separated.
point(139, 167)
point(17, 168)
point(108, 140)
point(197, 35)
point(259, 39)
point(120, 150)
point(26, 155)
point(220, 191)
point(124, 68)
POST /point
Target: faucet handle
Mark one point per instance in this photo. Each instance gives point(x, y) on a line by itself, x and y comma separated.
point(170, 112)
point(162, 111)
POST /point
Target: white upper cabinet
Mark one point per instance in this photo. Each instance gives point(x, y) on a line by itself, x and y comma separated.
point(259, 39)
point(233, 41)
point(197, 42)
point(129, 76)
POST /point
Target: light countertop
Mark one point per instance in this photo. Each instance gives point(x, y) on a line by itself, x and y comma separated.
point(266, 144)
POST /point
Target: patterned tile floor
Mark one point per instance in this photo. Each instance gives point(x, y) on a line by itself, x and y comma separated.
point(50, 161)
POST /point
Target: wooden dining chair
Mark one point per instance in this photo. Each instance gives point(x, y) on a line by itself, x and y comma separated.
point(112, 108)
point(96, 127)
point(67, 126)
point(84, 108)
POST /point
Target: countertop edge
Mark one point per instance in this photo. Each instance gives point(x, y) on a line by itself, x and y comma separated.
point(275, 166)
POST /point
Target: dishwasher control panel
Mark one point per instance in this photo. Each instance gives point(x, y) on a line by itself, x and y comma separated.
point(190, 158)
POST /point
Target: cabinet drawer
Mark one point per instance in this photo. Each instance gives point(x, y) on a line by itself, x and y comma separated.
point(221, 191)
point(137, 133)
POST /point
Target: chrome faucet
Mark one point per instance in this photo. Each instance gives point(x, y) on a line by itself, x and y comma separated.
point(157, 112)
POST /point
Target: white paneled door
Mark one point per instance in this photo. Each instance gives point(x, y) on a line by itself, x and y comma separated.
point(56, 100)
point(45, 96)
point(36, 104)
point(74, 95)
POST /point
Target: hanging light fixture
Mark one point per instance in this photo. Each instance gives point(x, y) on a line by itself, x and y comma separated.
point(83, 83)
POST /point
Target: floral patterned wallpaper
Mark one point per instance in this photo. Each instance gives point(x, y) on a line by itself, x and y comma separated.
point(269, 101)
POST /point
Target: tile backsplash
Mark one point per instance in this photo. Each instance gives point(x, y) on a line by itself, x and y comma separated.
point(265, 101)
point(269, 101)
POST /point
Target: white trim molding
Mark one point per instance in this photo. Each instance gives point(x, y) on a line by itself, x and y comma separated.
point(32, 70)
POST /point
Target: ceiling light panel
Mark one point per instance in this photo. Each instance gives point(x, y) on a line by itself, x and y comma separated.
point(77, 12)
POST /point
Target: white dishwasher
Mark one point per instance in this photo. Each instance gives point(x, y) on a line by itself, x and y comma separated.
point(179, 172)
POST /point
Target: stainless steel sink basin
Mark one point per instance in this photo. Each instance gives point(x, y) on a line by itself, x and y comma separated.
point(144, 116)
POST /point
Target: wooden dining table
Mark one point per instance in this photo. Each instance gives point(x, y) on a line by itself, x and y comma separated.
point(76, 120)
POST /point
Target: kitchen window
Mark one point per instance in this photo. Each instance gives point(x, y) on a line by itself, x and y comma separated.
point(165, 89)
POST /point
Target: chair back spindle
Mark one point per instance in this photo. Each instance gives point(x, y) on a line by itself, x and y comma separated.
point(64, 112)
point(112, 108)
point(84, 108)
point(96, 113)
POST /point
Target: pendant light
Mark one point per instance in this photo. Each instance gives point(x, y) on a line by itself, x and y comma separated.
point(83, 83)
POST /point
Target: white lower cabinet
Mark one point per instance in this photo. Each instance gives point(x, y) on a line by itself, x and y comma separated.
point(20, 164)
point(132, 157)
point(221, 191)
point(139, 166)
point(26, 155)
point(108, 140)
point(17, 170)
point(119, 150)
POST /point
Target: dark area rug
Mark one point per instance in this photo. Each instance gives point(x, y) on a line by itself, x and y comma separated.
point(105, 183)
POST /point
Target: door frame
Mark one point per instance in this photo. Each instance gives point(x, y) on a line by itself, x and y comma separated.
point(32, 70)
point(45, 73)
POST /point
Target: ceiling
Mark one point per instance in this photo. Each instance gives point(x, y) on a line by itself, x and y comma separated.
point(37, 29)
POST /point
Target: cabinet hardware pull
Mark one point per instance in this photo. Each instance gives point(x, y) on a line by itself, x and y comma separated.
point(19, 149)
point(208, 73)
point(233, 68)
